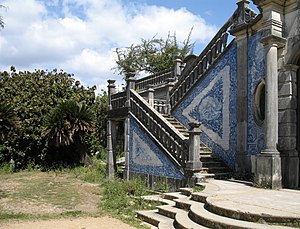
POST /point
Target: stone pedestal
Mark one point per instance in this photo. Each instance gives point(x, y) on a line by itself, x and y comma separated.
point(268, 170)
point(194, 164)
point(110, 170)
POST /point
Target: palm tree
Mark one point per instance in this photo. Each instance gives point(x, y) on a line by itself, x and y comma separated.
point(8, 120)
point(65, 124)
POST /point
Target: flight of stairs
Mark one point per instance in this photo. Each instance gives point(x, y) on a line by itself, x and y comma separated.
point(187, 209)
point(212, 167)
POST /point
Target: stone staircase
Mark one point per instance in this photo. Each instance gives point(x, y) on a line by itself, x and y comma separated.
point(186, 209)
point(212, 167)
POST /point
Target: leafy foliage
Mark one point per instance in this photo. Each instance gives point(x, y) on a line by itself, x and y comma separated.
point(152, 56)
point(66, 121)
point(8, 120)
point(32, 95)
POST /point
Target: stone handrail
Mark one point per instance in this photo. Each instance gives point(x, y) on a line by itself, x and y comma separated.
point(203, 62)
point(168, 136)
point(153, 80)
point(118, 100)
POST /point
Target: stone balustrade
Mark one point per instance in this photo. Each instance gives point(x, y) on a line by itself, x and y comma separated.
point(153, 80)
point(203, 62)
point(168, 136)
point(118, 100)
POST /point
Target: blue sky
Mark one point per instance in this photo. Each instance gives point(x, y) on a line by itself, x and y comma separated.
point(80, 36)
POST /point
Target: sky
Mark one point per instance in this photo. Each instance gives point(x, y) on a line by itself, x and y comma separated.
point(81, 36)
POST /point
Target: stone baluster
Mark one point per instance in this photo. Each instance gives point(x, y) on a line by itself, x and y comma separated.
point(150, 96)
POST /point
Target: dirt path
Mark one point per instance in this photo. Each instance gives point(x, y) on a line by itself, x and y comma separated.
point(78, 223)
point(52, 194)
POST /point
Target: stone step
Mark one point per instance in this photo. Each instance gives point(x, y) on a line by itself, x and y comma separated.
point(186, 191)
point(212, 164)
point(154, 218)
point(169, 211)
point(182, 221)
point(200, 215)
point(184, 204)
point(200, 196)
point(173, 196)
point(227, 208)
point(215, 169)
point(159, 199)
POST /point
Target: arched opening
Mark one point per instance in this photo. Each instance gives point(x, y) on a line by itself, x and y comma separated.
point(258, 108)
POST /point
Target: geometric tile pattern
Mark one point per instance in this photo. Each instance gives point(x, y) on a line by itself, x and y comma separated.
point(256, 72)
point(148, 158)
point(213, 103)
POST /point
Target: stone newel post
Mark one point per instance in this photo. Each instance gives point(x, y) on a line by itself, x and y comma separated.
point(150, 95)
point(130, 79)
point(110, 170)
point(194, 164)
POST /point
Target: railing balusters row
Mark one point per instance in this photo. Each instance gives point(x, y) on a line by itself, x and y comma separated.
point(168, 137)
point(154, 80)
point(118, 100)
point(214, 49)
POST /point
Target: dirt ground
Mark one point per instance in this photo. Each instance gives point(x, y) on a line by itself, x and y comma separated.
point(78, 223)
point(52, 194)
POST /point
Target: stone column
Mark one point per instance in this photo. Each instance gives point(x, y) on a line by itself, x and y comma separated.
point(268, 163)
point(150, 92)
point(126, 147)
point(170, 85)
point(111, 90)
point(130, 84)
point(110, 170)
point(194, 164)
point(177, 68)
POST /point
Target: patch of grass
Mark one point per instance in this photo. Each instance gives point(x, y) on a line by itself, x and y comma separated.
point(198, 188)
point(14, 216)
point(122, 198)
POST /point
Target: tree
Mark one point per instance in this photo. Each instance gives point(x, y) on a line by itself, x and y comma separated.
point(8, 120)
point(66, 123)
point(152, 55)
point(33, 95)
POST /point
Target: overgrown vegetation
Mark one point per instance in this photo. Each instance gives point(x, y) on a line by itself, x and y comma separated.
point(153, 55)
point(34, 123)
point(122, 198)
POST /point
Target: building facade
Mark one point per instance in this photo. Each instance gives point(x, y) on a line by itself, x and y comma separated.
point(230, 111)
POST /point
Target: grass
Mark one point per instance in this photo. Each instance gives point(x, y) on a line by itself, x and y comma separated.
point(61, 189)
point(123, 198)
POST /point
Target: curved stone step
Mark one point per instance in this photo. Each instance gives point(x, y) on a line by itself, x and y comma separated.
point(199, 214)
point(173, 196)
point(249, 212)
point(154, 218)
point(182, 221)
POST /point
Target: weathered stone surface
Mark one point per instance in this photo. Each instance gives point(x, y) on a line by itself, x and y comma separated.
point(289, 102)
point(287, 130)
point(287, 116)
point(268, 170)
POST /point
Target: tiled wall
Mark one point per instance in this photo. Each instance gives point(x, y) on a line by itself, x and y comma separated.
point(256, 72)
point(213, 103)
point(148, 158)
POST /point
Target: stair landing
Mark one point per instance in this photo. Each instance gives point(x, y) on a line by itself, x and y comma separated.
point(230, 204)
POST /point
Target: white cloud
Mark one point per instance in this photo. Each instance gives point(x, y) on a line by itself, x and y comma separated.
point(80, 36)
